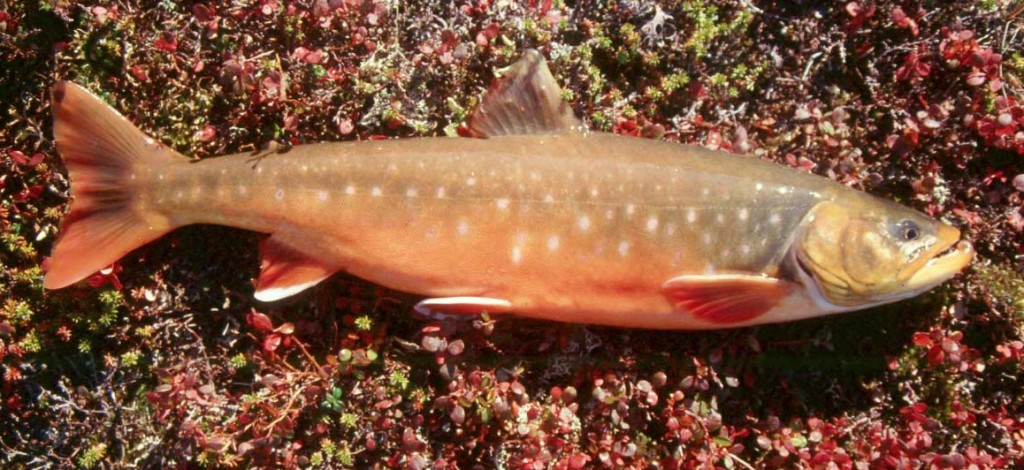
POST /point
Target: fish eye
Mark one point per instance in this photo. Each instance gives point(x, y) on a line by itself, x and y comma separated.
point(908, 230)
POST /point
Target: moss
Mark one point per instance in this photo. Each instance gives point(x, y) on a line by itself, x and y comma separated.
point(708, 25)
point(399, 380)
point(18, 312)
point(30, 343)
point(131, 358)
point(92, 456)
point(1005, 285)
point(238, 361)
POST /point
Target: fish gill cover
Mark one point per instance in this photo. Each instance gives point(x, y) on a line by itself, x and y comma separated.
point(164, 359)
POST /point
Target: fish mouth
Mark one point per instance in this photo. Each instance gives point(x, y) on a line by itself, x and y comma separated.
point(944, 263)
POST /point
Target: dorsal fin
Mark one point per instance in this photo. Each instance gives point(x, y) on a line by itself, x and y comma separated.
point(526, 100)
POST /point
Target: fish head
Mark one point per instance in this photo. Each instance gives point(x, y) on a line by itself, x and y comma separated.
point(871, 252)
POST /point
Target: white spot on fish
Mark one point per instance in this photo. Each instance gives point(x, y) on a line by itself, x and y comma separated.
point(411, 192)
point(705, 238)
point(744, 214)
point(305, 168)
point(593, 192)
point(350, 190)
point(775, 219)
point(652, 224)
point(691, 216)
point(624, 248)
point(392, 167)
point(758, 186)
point(440, 192)
point(321, 195)
point(517, 254)
point(784, 190)
point(670, 229)
point(549, 199)
point(471, 181)
point(745, 249)
point(502, 203)
point(704, 193)
point(160, 176)
point(630, 209)
point(553, 242)
point(133, 176)
point(376, 191)
point(609, 214)
point(463, 227)
point(279, 195)
point(584, 223)
point(720, 218)
point(242, 190)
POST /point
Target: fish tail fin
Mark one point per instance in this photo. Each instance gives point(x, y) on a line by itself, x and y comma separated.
point(105, 156)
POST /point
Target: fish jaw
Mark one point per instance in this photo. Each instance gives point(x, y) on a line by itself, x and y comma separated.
point(945, 261)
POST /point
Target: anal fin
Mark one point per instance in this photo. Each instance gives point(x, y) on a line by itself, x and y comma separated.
point(285, 271)
point(726, 298)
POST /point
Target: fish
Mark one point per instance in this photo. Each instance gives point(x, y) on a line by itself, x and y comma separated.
point(530, 213)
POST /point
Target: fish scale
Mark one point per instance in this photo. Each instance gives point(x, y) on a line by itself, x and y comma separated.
point(535, 216)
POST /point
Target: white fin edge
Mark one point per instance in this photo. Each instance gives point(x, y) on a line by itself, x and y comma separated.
point(274, 294)
point(430, 307)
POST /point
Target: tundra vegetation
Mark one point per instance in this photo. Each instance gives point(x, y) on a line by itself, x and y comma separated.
point(165, 360)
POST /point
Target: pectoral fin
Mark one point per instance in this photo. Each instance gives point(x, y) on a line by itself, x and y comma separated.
point(726, 298)
point(462, 306)
point(285, 271)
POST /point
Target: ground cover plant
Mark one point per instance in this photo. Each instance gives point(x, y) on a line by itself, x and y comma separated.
point(164, 359)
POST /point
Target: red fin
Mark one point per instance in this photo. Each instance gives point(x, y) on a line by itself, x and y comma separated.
point(526, 100)
point(285, 271)
point(726, 298)
point(100, 149)
point(462, 306)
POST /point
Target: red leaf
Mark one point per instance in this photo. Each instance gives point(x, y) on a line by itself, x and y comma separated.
point(714, 141)
point(271, 343)
point(976, 78)
point(286, 328)
point(167, 42)
point(345, 126)
point(260, 321)
point(310, 57)
point(207, 133)
point(18, 157)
